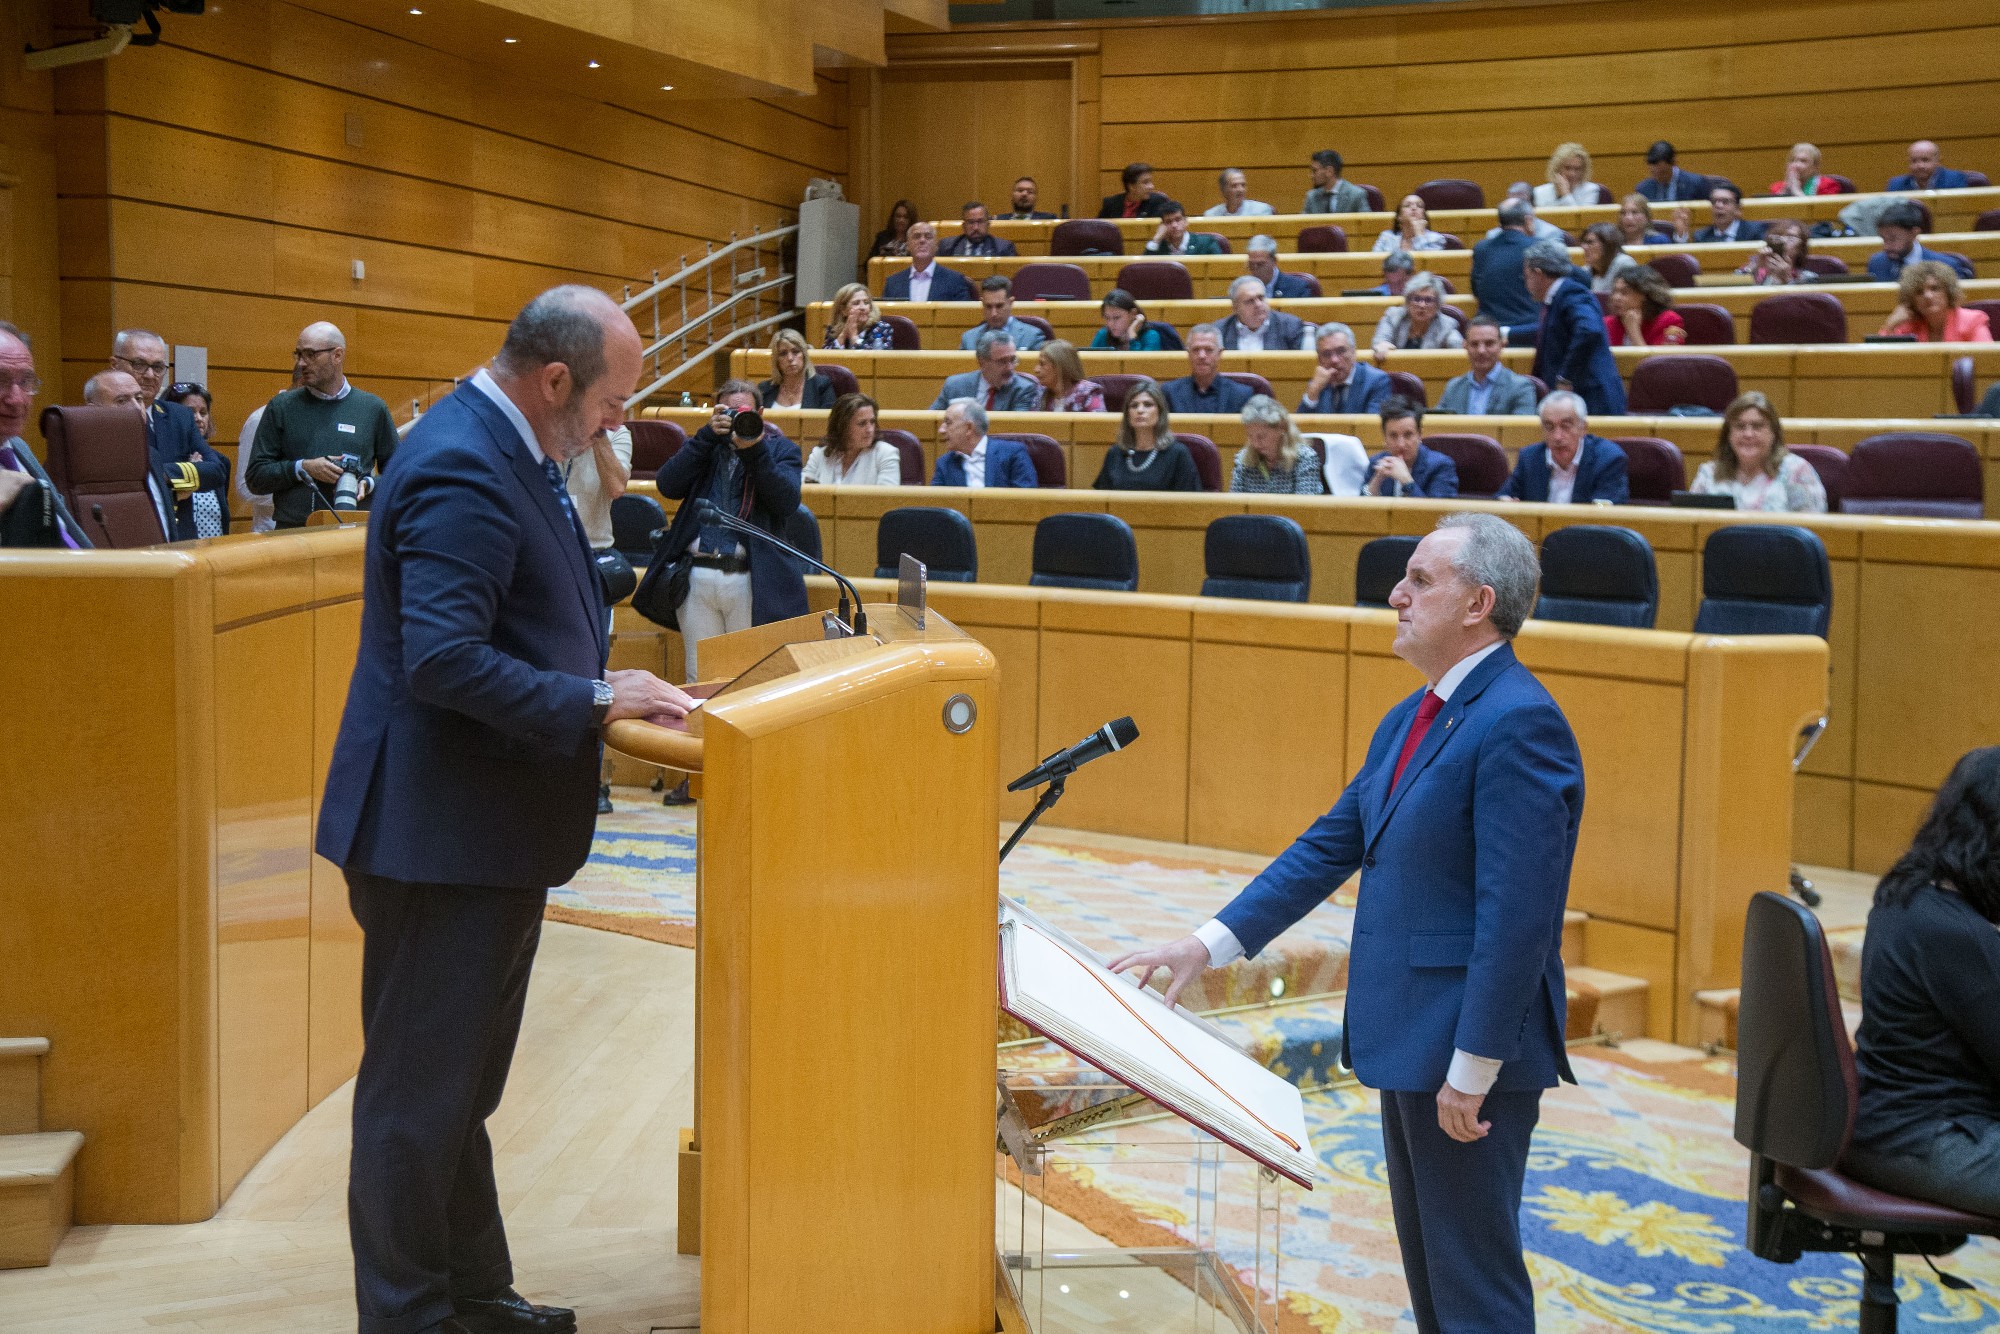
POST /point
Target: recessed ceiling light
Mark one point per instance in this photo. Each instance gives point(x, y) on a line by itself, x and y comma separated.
point(510, 40)
point(418, 12)
point(666, 88)
point(593, 64)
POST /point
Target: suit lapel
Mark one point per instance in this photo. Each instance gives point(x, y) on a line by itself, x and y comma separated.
point(1442, 729)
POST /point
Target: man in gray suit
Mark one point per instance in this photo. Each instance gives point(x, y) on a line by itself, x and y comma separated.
point(1331, 194)
point(996, 298)
point(996, 386)
point(1488, 389)
point(1254, 327)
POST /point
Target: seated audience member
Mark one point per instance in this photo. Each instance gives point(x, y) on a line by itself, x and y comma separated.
point(1927, 1118)
point(1205, 388)
point(996, 299)
point(925, 279)
point(1125, 328)
point(1898, 227)
point(1277, 460)
point(1569, 184)
point(1497, 284)
point(1412, 230)
point(893, 239)
point(854, 323)
point(1022, 202)
point(997, 386)
point(1172, 236)
point(1752, 465)
point(1569, 466)
point(1138, 200)
point(114, 389)
point(794, 384)
point(1990, 405)
point(1407, 466)
point(1604, 254)
point(1727, 223)
point(1236, 201)
point(32, 511)
point(1419, 323)
point(1488, 389)
point(1342, 382)
point(1330, 193)
point(1782, 261)
point(1665, 182)
point(1642, 310)
point(971, 458)
point(1147, 457)
point(1260, 257)
point(975, 239)
point(852, 454)
point(1252, 326)
point(1538, 228)
point(1635, 222)
point(1059, 370)
point(1573, 352)
point(1397, 266)
point(1802, 175)
point(1928, 307)
point(1926, 173)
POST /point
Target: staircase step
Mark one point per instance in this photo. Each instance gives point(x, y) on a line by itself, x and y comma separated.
point(21, 1084)
point(37, 1190)
point(1619, 1000)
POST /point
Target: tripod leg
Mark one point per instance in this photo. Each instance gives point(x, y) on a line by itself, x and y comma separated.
point(1878, 1292)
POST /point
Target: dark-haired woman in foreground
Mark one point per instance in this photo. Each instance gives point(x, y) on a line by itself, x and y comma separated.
point(1928, 1123)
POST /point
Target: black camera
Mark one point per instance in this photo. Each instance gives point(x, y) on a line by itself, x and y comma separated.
point(747, 425)
point(354, 482)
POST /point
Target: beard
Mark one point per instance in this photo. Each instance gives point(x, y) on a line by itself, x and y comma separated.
point(574, 435)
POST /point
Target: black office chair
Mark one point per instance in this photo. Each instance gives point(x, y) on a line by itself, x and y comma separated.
point(1795, 1105)
point(1380, 568)
point(941, 538)
point(1256, 556)
point(1764, 579)
point(1598, 574)
point(634, 521)
point(1085, 551)
point(802, 531)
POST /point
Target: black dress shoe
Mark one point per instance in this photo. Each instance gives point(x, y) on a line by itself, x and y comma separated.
point(508, 1312)
point(677, 795)
point(604, 798)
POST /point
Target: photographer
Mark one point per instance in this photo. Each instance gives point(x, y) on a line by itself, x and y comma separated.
point(314, 435)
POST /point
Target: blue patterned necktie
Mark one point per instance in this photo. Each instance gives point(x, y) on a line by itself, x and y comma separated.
point(554, 473)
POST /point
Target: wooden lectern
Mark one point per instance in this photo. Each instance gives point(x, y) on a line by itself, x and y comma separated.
point(845, 976)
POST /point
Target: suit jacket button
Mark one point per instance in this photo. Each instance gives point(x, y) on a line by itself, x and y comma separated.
point(1368, 863)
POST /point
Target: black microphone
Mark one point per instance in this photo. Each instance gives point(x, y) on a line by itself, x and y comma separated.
point(1114, 735)
point(708, 512)
point(316, 501)
point(97, 513)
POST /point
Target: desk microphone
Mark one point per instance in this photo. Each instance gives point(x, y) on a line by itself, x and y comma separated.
point(97, 513)
point(708, 512)
point(316, 501)
point(1114, 735)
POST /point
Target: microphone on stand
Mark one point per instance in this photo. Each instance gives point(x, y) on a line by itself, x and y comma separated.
point(708, 512)
point(1113, 736)
point(316, 501)
point(97, 513)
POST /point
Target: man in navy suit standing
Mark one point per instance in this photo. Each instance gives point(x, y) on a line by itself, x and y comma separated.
point(463, 785)
point(1463, 823)
point(1573, 352)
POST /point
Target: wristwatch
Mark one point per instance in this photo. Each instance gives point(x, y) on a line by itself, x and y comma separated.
point(602, 696)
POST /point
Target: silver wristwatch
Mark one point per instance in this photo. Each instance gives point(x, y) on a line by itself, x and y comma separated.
point(602, 697)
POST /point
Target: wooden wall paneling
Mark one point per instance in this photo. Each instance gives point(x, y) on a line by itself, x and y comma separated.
point(1886, 817)
point(1007, 621)
point(1004, 121)
point(1914, 664)
point(1823, 820)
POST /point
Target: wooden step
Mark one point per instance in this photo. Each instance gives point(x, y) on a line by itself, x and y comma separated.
point(1572, 941)
point(1620, 1000)
point(1715, 1018)
point(37, 1187)
point(21, 1084)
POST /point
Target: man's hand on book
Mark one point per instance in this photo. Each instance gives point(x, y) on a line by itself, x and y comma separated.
point(1185, 960)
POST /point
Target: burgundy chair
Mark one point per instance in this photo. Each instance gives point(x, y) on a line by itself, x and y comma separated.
point(1044, 453)
point(654, 442)
point(1051, 282)
point(904, 336)
point(1036, 321)
point(1257, 384)
point(1451, 192)
point(1482, 464)
point(1376, 203)
point(1406, 385)
point(910, 454)
point(99, 461)
point(1456, 316)
point(1207, 458)
point(1326, 239)
point(1660, 383)
point(1707, 324)
point(1828, 266)
point(1086, 236)
point(1116, 387)
point(1949, 255)
point(1654, 468)
point(1311, 281)
point(1916, 473)
point(1451, 242)
point(1925, 210)
point(1846, 183)
point(843, 378)
point(1157, 280)
point(1976, 180)
point(1831, 465)
point(1992, 311)
point(1964, 393)
point(1989, 221)
point(1799, 317)
point(1604, 302)
point(1678, 270)
point(1541, 388)
point(1219, 239)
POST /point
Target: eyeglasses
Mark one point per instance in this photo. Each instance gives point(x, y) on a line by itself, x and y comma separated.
point(30, 382)
point(143, 367)
point(308, 353)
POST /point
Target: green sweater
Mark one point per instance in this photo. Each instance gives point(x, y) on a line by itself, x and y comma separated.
point(299, 424)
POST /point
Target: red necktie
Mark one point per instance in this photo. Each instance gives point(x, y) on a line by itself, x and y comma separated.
point(991, 389)
point(1427, 709)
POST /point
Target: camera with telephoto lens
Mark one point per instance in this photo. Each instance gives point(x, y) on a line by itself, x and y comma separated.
point(747, 425)
point(354, 482)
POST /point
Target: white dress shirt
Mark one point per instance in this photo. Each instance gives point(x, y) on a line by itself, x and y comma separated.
point(1562, 481)
point(1468, 1073)
point(975, 464)
point(1249, 339)
point(262, 508)
point(920, 281)
point(484, 382)
point(1252, 208)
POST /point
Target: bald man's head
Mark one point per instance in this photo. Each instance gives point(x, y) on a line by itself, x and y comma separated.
point(114, 389)
point(18, 381)
point(319, 359)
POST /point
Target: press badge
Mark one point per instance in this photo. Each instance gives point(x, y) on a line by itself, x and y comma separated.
point(348, 427)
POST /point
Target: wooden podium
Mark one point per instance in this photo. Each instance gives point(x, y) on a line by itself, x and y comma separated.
point(845, 977)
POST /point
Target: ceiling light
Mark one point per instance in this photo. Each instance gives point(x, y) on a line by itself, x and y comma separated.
point(418, 12)
point(666, 88)
point(510, 40)
point(593, 64)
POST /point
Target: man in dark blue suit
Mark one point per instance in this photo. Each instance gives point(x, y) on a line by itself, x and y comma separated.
point(1666, 183)
point(172, 435)
point(1927, 172)
point(1727, 223)
point(926, 279)
point(1569, 465)
point(1573, 352)
point(973, 458)
point(1260, 259)
point(1463, 823)
point(463, 785)
point(1340, 382)
point(1407, 466)
point(1496, 276)
point(1205, 389)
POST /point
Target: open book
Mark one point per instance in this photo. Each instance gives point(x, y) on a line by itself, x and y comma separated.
point(1059, 989)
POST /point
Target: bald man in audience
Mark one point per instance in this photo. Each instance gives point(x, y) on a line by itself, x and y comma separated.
point(1927, 171)
point(120, 389)
point(309, 434)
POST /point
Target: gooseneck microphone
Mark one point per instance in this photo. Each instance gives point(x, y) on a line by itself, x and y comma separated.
point(1113, 736)
point(708, 512)
point(97, 513)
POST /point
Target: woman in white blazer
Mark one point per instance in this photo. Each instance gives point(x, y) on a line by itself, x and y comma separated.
point(852, 455)
point(1569, 184)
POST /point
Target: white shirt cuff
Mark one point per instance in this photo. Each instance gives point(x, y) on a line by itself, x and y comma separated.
point(1472, 1074)
point(1223, 946)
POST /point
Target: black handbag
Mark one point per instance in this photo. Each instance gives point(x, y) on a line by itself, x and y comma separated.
point(664, 586)
point(615, 574)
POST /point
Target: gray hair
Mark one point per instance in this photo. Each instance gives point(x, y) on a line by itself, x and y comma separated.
point(1426, 282)
point(565, 324)
point(1497, 555)
point(1203, 331)
point(1402, 261)
point(1261, 242)
point(1236, 284)
point(1520, 190)
point(1516, 213)
point(992, 338)
point(1222, 181)
point(1563, 398)
point(1329, 329)
point(971, 410)
point(1548, 256)
point(97, 382)
point(122, 344)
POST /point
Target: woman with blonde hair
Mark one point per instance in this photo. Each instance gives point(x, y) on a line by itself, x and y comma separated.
point(854, 322)
point(852, 454)
point(1278, 460)
point(1929, 307)
point(794, 383)
point(1752, 465)
point(1147, 457)
point(1064, 388)
point(1569, 184)
point(1803, 176)
point(1635, 222)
